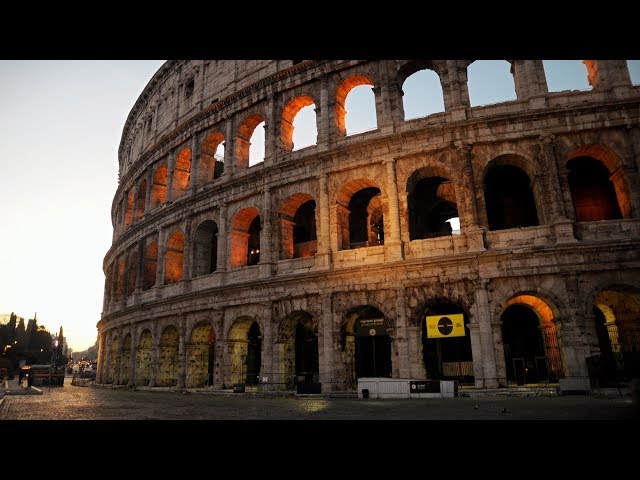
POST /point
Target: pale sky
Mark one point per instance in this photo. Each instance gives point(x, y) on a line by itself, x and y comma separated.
point(60, 128)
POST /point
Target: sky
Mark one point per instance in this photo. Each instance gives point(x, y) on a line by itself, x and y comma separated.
point(60, 128)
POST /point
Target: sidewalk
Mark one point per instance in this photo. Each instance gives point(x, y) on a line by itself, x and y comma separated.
point(11, 387)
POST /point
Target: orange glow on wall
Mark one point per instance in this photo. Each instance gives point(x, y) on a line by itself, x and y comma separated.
point(207, 168)
point(343, 90)
point(150, 266)
point(159, 187)
point(288, 115)
point(173, 262)
point(142, 197)
point(129, 213)
point(181, 173)
point(243, 140)
point(240, 235)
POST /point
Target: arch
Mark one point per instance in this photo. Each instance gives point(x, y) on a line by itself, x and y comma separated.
point(297, 219)
point(360, 215)
point(617, 322)
point(288, 121)
point(150, 265)
point(125, 360)
point(211, 158)
point(490, 81)
point(132, 272)
point(173, 258)
point(113, 359)
point(181, 173)
point(244, 140)
point(509, 198)
point(446, 357)
point(245, 350)
point(598, 185)
point(130, 205)
point(565, 75)
point(433, 210)
point(205, 248)
point(245, 238)
point(342, 92)
point(422, 94)
point(201, 355)
point(530, 339)
point(168, 357)
point(142, 198)
point(298, 335)
point(143, 358)
point(365, 344)
point(159, 186)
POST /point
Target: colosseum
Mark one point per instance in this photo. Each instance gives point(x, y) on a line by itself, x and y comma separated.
point(496, 245)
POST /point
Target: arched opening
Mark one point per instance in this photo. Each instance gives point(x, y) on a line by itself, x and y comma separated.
point(565, 75)
point(490, 81)
point(205, 248)
point(125, 361)
point(530, 341)
point(201, 356)
point(132, 272)
point(130, 204)
point(245, 238)
point(142, 195)
point(245, 348)
point(297, 218)
point(120, 278)
point(593, 193)
point(173, 259)
point(634, 71)
point(159, 187)
point(113, 359)
point(250, 142)
point(299, 354)
point(168, 357)
point(446, 342)
point(422, 94)
point(617, 317)
point(150, 265)
point(509, 198)
point(355, 110)
point(181, 173)
point(360, 216)
point(432, 207)
point(211, 158)
point(365, 344)
point(298, 124)
point(143, 359)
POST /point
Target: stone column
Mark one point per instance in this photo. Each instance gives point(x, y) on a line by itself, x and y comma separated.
point(147, 200)
point(229, 149)
point(182, 354)
point(385, 119)
point(187, 254)
point(101, 360)
point(380, 118)
point(221, 261)
point(132, 360)
point(454, 89)
point(270, 134)
point(160, 262)
point(195, 164)
point(323, 256)
point(488, 345)
point(118, 368)
point(154, 360)
point(171, 165)
point(268, 366)
point(470, 224)
point(326, 352)
point(529, 79)
point(323, 116)
point(266, 242)
point(402, 339)
point(608, 75)
point(393, 246)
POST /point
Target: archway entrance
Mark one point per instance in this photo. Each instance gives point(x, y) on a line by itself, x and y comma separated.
point(143, 359)
point(617, 317)
point(299, 353)
point(446, 353)
point(168, 357)
point(125, 360)
point(367, 344)
point(200, 356)
point(245, 349)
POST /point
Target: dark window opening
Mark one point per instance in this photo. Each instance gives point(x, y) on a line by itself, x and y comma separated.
point(432, 208)
point(366, 226)
point(254, 354)
point(524, 352)
point(253, 244)
point(205, 250)
point(509, 198)
point(307, 365)
point(189, 88)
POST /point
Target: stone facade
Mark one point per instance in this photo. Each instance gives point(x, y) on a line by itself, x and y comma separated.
point(186, 304)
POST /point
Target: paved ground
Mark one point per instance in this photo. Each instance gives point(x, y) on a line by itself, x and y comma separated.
point(87, 403)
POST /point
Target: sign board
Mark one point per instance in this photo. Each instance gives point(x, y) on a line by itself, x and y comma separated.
point(424, 386)
point(444, 326)
point(238, 388)
point(371, 327)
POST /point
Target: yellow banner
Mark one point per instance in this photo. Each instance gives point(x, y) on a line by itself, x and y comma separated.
point(445, 326)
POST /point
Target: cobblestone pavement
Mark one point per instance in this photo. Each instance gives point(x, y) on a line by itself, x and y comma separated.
point(87, 403)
